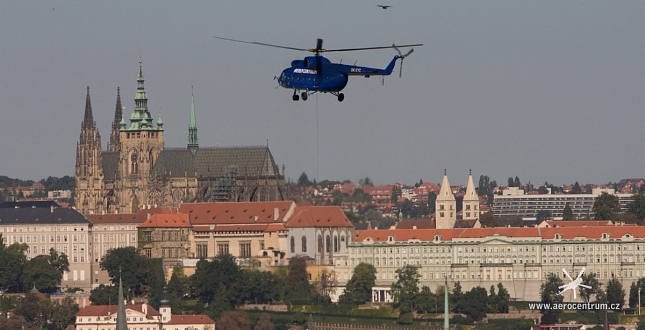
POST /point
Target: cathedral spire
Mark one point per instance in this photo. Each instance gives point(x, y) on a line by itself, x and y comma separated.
point(115, 144)
point(121, 323)
point(193, 143)
point(88, 119)
point(140, 118)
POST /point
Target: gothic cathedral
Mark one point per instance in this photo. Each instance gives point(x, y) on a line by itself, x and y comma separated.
point(137, 170)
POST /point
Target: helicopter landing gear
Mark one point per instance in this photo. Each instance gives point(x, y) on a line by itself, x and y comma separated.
point(295, 96)
point(304, 96)
point(341, 97)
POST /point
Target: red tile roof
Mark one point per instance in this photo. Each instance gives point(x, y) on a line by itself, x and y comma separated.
point(579, 223)
point(191, 319)
point(167, 221)
point(112, 218)
point(318, 216)
point(237, 212)
point(594, 232)
point(104, 310)
point(420, 224)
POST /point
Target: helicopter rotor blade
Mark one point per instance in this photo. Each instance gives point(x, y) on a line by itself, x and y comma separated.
point(369, 48)
point(264, 44)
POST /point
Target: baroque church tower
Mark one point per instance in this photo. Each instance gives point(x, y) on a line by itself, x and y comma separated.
point(89, 169)
point(446, 205)
point(470, 208)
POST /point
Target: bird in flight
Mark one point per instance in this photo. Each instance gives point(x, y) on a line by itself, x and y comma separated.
point(383, 6)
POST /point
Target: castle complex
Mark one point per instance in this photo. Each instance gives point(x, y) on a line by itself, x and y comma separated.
point(137, 169)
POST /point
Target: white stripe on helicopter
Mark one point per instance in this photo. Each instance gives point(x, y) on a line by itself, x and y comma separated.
point(304, 71)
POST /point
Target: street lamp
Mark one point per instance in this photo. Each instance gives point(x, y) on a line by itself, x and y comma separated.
point(639, 300)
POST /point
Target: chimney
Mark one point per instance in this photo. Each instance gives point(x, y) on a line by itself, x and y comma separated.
point(148, 216)
point(256, 218)
point(414, 227)
point(276, 213)
point(144, 308)
point(51, 209)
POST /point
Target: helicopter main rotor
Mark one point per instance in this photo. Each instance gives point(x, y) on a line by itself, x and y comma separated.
point(319, 49)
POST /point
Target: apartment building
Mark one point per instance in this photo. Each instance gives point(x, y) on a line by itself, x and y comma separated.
point(44, 225)
point(513, 202)
point(519, 258)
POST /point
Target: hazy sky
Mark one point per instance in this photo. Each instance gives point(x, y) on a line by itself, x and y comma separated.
point(544, 90)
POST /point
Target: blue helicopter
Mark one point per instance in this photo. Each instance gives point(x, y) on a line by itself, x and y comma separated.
point(317, 74)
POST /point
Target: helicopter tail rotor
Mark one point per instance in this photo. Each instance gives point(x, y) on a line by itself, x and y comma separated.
point(402, 56)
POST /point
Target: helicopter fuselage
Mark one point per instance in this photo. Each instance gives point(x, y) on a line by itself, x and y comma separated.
point(318, 74)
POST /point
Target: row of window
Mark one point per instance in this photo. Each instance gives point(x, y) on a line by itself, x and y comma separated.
point(42, 228)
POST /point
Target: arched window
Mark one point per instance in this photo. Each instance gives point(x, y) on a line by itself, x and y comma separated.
point(320, 244)
point(335, 243)
point(327, 243)
point(304, 244)
point(293, 245)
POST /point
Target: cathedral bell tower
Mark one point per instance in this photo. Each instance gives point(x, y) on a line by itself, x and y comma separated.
point(140, 145)
point(89, 166)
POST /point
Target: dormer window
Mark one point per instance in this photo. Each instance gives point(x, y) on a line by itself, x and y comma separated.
point(606, 235)
point(558, 236)
point(437, 238)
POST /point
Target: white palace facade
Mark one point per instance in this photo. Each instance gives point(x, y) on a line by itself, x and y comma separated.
point(519, 258)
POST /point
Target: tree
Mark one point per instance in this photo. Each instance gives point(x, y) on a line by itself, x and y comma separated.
point(615, 292)
point(36, 309)
point(425, 300)
point(542, 215)
point(178, 286)
point(361, 283)
point(64, 313)
point(637, 206)
point(234, 320)
point(517, 182)
point(264, 323)
point(39, 272)
point(126, 263)
point(567, 213)
point(12, 261)
point(488, 219)
point(396, 193)
point(405, 289)
point(303, 181)
point(633, 292)
point(576, 188)
point(589, 279)
point(217, 282)
point(474, 303)
point(549, 295)
point(605, 206)
point(296, 274)
point(543, 190)
point(104, 295)
point(325, 285)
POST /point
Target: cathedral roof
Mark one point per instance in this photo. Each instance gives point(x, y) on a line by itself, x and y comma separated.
point(216, 162)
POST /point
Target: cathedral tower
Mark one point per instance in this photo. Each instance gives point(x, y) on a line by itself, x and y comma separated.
point(470, 204)
point(193, 143)
point(115, 142)
point(446, 206)
point(89, 169)
point(141, 143)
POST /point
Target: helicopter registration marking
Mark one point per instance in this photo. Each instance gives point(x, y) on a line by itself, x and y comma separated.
point(355, 70)
point(304, 71)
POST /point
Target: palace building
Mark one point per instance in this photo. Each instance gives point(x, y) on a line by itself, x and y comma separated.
point(137, 169)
